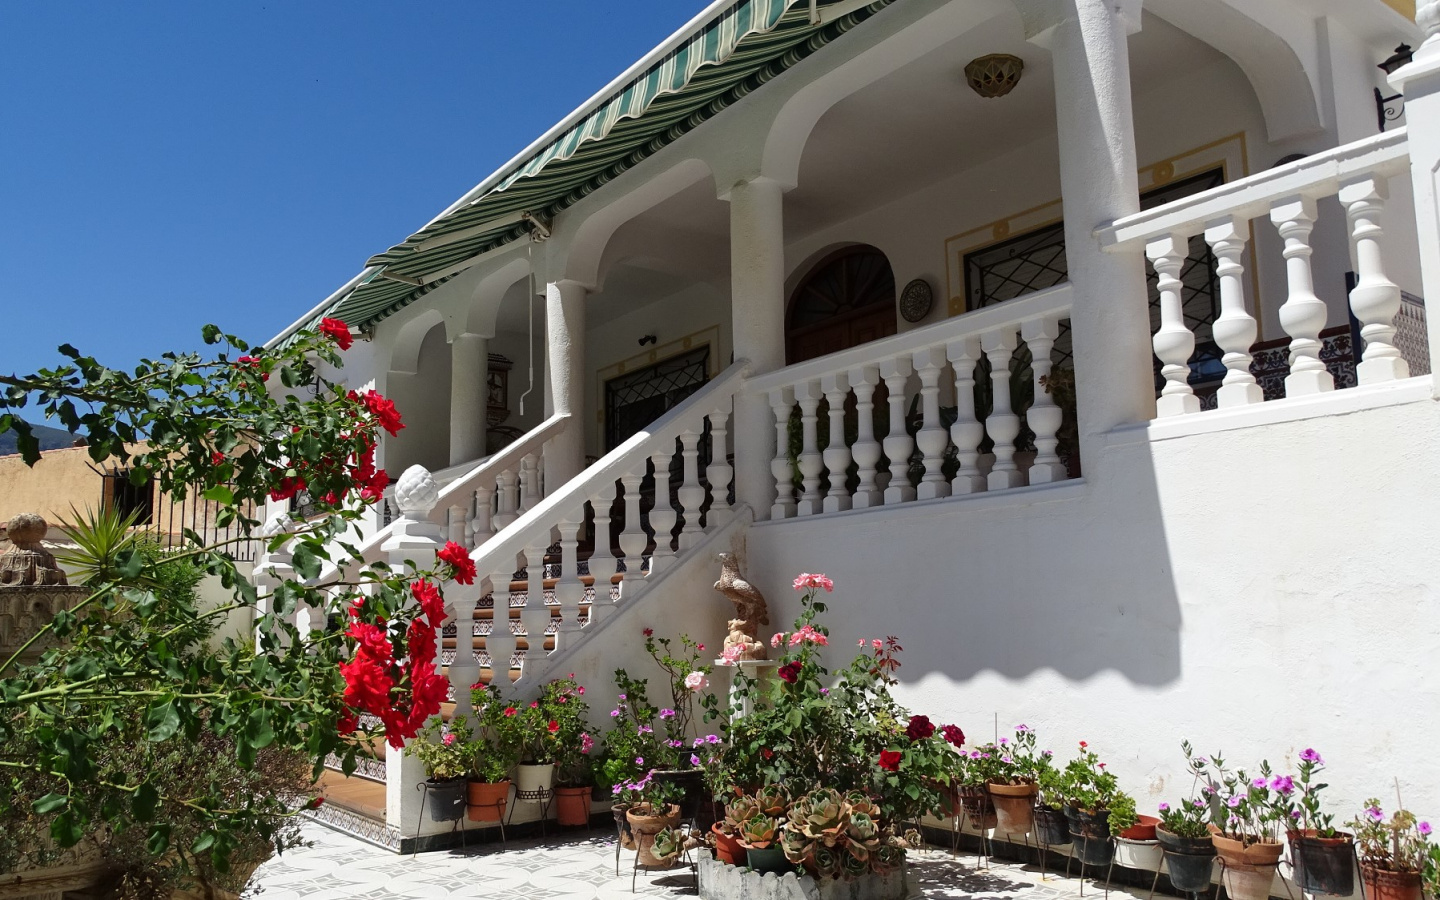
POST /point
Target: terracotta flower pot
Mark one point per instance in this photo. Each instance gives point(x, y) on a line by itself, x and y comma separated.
point(1051, 827)
point(485, 800)
point(1014, 807)
point(572, 805)
point(1238, 853)
point(1383, 884)
point(1143, 830)
point(1247, 870)
point(979, 810)
point(645, 825)
point(728, 848)
point(1324, 865)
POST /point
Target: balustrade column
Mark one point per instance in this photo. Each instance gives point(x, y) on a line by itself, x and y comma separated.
point(837, 455)
point(1174, 341)
point(633, 539)
point(479, 528)
point(662, 514)
point(898, 443)
point(811, 461)
point(782, 401)
point(1303, 314)
point(500, 642)
point(529, 483)
point(507, 490)
point(455, 522)
point(691, 495)
point(469, 397)
point(719, 473)
point(866, 450)
point(569, 589)
point(1235, 328)
point(535, 616)
point(1044, 416)
point(464, 669)
point(968, 431)
point(1003, 424)
point(932, 438)
point(602, 557)
point(1375, 299)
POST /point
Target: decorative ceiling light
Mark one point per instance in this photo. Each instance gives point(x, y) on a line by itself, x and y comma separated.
point(995, 75)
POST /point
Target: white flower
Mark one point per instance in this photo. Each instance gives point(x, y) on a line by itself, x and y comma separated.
point(696, 681)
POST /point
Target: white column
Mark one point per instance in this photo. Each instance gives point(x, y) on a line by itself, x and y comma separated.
point(602, 558)
point(1420, 82)
point(1174, 341)
point(782, 401)
point(464, 670)
point(507, 490)
point(535, 616)
point(691, 495)
point(565, 363)
point(1235, 328)
point(866, 450)
point(479, 528)
point(662, 514)
point(469, 364)
point(807, 394)
point(1303, 314)
point(1110, 323)
point(1044, 417)
point(968, 431)
point(633, 539)
point(757, 312)
point(837, 455)
point(569, 589)
point(1375, 299)
point(1002, 423)
point(932, 438)
point(500, 642)
point(898, 443)
point(719, 473)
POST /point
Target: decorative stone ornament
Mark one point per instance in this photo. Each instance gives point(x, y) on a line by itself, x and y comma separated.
point(916, 300)
point(416, 493)
point(995, 75)
point(27, 561)
point(750, 609)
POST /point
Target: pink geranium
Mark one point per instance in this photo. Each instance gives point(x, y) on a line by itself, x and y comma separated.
point(807, 581)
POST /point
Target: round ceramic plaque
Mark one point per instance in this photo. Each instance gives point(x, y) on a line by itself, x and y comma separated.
point(916, 300)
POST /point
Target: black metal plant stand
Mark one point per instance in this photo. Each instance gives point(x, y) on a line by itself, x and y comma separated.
point(542, 796)
point(456, 823)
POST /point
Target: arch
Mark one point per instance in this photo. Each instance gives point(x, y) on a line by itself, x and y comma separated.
point(844, 300)
point(478, 315)
point(405, 348)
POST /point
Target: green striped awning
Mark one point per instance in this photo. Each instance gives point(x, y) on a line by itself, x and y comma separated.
point(746, 46)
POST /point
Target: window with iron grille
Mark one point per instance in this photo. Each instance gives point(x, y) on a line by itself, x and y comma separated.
point(125, 498)
point(635, 399)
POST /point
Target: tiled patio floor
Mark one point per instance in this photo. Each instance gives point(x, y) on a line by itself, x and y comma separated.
point(582, 867)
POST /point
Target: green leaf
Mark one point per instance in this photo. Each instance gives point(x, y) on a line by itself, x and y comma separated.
point(210, 333)
point(220, 494)
point(306, 562)
point(145, 802)
point(163, 720)
point(258, 732)
point(50, 803)
point(203, 842)
point(82, 668)
point(159, 840)
point(65, 831)
point(130, 563)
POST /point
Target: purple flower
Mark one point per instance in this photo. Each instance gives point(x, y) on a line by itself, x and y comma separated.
point(644, 729)
point(1006, 759)
point(824, 692)
point(694, 760)
point(1295, 814)
point(622, 696)
point(1004, 741)
point(712, 738)
point(1233, 802)
point(974, 754)
point(1200, 761)
point(667, 713)
point(1309, 755)
point(1164, 807)
point(1258, 783)
point(1047, 753)
point(675, 743)
point(639, 760)
point(1233, 821)
point(1283, 784)
point(1423, 828)
point(1022, 728)
point(1199, 804)
point(614, 713)
point(1374, 813)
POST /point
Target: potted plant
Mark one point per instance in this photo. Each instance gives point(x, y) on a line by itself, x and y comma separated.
point(651, 808)
point(1012, 785)
point(1324, 858)
point(629, 748)
point(982, 765)
point(493, 753)
point(1051, 826)
point(758, 835)
point(1184, 832)
point(688, 678)
point(445, 753)
point(1136, 846)
point(667, 846)
point(1394, 852)
point(726, 832)
point(569, 744)
point(1246, 814)
point(1089, 792)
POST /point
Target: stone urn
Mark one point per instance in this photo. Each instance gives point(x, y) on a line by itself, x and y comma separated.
point(32, 588)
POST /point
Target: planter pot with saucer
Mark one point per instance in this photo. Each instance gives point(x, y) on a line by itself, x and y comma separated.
point(531, 778)
point(644, 824)
point(1247, 870)
point(1189, 861)
point(1051, 826)
point(572, 805)
point(1090, 836)
point(1383, 884)
point(728, 848)
point(485, 800)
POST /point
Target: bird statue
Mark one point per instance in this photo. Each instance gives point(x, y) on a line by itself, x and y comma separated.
point(750, 610)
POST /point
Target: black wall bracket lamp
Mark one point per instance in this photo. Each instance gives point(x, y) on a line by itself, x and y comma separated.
point(1383, 110)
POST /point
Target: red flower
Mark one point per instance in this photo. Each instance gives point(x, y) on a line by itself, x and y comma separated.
point(553, 727)
point(766, 752)
point(1083, 745)
point(289, 486)
point(534, 704)
point(347, 723)
point(890, 760)
point(337, 331)
point(428, 596)
point(919, 728)
point(384, 412)
point(790, 671)
point(648, 632)
point(459, 559)
point(374, 489)
point(510, 710)
point(953, 734)
point(251, 362)
point(217, 458)
point(315, 803)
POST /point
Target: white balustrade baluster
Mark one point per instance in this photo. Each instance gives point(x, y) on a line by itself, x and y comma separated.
point(662, 514)
point(781, 403)
point(1174, 343)
point(866, 450)
point(480, 528)
point(569, 589)
point(535, 615)
point(529, 482)
point(500, 642)
point(602, 558)
point(898, 443)
point(633, 539)
point(719, 473)
point(464, 670)
point(1003, 425)
point(507, 489)
point(1375, 301)
point(1303, 314)
point(811, 462)
point(932, 438)
point(837, 455)
point(1044, 416)
point(968, 431)
point(691, 495)
point(1235, 328)
point(455, 525)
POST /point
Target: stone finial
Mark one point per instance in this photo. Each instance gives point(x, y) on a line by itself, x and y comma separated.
point(416, 493)
point(27, 561)
point(750, 609)
point(1427, 16)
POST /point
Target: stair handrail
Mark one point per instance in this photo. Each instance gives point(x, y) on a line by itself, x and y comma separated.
point(500, 552)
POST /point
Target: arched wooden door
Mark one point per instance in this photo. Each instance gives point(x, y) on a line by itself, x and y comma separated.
point(847, 299)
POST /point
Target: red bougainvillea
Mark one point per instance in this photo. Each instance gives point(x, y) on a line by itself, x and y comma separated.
point(338, 332)
point(459, 559)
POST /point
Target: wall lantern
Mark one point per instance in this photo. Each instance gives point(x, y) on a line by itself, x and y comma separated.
point(1383, 109)
point(995, 75)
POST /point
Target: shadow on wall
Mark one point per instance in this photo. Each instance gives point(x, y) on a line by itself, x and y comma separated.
point(1074, 578)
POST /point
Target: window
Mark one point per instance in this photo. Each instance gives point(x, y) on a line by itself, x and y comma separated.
point(126, 498)
point(635, 399)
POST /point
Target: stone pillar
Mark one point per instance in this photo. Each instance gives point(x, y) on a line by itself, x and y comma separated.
point(565, 365)
point(757, 313)
point(1110, 322)
point(1420, 83)
point(469, 362)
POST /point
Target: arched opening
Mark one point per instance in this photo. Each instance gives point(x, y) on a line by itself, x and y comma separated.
point(847, 299)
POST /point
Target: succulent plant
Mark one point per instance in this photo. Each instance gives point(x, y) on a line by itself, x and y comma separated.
point(758, 832)
point(826, 862)
point(738, 811)
point(863, 829)
point(853, 866)
point(669, 842)
point(887, 857)
point(821, 815)
point(772, 800)
point(799, 849)
point(860, 802)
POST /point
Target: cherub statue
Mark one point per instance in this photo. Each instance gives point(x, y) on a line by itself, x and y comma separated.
point(750, 609)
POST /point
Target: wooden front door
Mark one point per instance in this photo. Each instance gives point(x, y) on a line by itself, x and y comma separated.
point(848, 299)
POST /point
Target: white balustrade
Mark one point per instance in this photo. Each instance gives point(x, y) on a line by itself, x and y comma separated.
point(898, 443)
point(1234, 328)
point(1375, 299)
point(811, 462)
point(866, 450)
point(1303, 314)
point(719, 473)
point(781, 401)
point(662, 514)
point(1174, 341)
point(691, 495)
point(1002, 423)
point(932, 437)
point(1044, 416)
point(836, 387)
point(968, 431)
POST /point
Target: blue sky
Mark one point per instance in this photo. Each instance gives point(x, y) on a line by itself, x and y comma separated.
point(164, 165)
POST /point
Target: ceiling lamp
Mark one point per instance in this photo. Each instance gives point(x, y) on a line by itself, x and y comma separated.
point(995, 75)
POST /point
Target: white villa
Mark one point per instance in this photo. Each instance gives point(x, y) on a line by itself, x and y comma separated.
point(1081, 342)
